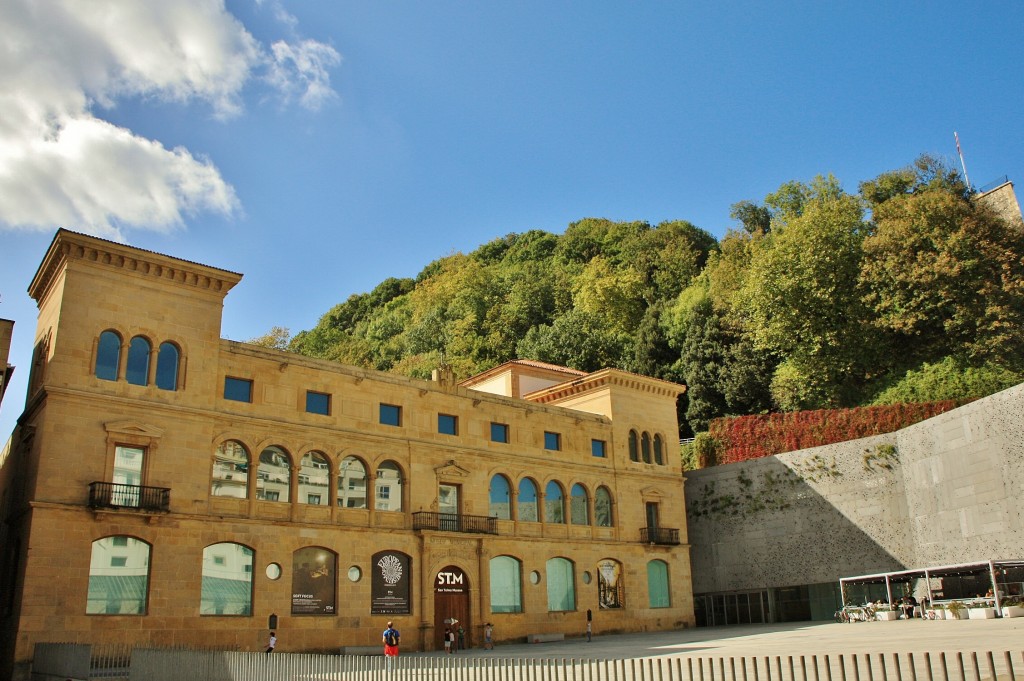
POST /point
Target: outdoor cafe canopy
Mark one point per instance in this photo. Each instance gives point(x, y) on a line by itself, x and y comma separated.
point(991, 568)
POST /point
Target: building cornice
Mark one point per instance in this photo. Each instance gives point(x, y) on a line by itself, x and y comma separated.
point(68, 246)
point(606, 378)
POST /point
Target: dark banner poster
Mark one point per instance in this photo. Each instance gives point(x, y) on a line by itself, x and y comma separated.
point(609, 584)
point(391, 584)
point(314, 579)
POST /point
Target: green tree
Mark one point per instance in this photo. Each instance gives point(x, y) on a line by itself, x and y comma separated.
point(277, 338)
point(577, 339)
point(945, 275)
point(801, 292)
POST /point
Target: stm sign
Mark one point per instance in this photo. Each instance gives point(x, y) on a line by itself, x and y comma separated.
point(451, 580)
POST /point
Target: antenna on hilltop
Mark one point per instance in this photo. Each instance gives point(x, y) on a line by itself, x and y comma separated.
point(961, 155)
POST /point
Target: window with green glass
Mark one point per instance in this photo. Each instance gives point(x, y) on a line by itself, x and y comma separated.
point(657, 584)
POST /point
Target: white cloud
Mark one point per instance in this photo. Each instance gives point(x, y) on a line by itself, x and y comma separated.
point(62, 62)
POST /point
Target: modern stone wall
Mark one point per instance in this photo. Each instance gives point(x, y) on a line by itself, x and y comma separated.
point(941, 492)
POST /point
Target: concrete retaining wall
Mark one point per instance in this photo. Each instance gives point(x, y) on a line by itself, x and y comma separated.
point(947, 490)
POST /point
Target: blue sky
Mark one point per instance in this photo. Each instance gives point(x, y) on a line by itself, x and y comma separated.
point(321, 146)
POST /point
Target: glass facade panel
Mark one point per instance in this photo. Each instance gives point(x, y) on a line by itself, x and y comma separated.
point(318, 403)
point(108, 356)
point(526, 503)
point(388, 488)
point(230, 471)
point(237, 389)
point(603, 507)
point(657, 584)
point(506, 585)
point(499, 432)
point(578, 505)
point(390, 415)
point(273, 479)
point(118, 577)
point(314, 479)
point(447, 424)
point(554, 506)
point(352, 483)
point(137, 371)
point(500, 503)
point(167, 361)
point(561, 585)
point(227, 580)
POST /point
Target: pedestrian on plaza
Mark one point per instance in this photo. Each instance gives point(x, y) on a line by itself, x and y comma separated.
point(271, 642)
point(391, 638)
point(462, 638)
point(488, 636)
point(448, 636)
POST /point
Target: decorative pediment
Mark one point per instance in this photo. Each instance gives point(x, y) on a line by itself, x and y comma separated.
point(449, 469)
point(133, 429)
point(652, 494)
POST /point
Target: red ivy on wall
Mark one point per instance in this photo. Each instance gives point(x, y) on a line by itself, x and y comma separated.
point(751, 437)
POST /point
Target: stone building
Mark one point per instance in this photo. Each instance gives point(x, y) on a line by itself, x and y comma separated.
point(167, 487)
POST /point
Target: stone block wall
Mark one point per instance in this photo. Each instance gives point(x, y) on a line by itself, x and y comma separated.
point(941, 492)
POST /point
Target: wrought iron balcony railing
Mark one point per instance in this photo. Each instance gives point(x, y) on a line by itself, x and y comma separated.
point(454, 522)
point(116, 495)
point(659, 535)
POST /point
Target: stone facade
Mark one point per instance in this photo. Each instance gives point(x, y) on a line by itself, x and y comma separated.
point(945, 491)
point(65, 478)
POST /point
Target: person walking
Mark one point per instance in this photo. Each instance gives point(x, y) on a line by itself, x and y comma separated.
point(391, 639)
point(462, 638)
point(488, 636)
point(271, 643)
point(448, 636)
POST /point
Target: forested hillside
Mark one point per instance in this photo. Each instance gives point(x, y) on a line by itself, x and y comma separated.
point(907, 291)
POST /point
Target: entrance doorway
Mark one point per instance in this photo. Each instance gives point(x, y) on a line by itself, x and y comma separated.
point(451, 602)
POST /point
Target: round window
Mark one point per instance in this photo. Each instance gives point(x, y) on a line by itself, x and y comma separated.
point(274, 571)
point(354, 574)
point(586, 577)
point(534, 577)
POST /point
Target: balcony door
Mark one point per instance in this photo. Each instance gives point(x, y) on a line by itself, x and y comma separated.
point(448, 507)
point(127, 477)
point(652, 518)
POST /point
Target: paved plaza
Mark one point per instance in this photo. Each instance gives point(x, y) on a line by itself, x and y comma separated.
point(803, 638)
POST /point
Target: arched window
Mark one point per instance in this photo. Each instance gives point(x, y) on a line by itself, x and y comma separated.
point(108, 356)
point(657, 584)
point(561, 582)
point(645, 446)
point(603, 507)
point(526, 502)
point(274, 477)
point(230, 471)
point(611, 584)
point(118, 576)
point(506, 584)
point(388, 490)
point(137, 371)
point(659, 446)
point(227, 580)
point(578, 513)
point(314, 479)
point(352, 483)
point(500, 504)
point(633, 445)
point(167, 358)
point(554, 503)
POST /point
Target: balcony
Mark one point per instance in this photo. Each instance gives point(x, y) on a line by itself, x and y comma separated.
point(454, 522)
point(132, 497)
point(659, 535)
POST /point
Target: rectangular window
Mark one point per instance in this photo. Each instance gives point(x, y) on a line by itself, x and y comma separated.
point(120, 540)
point(313, 499)
point(552, 441)
point(499, 432)
point(237, 389)
point(118, 561)
point(597, 448)
point(447, 424)
point(390, 415)
point(318, 403)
